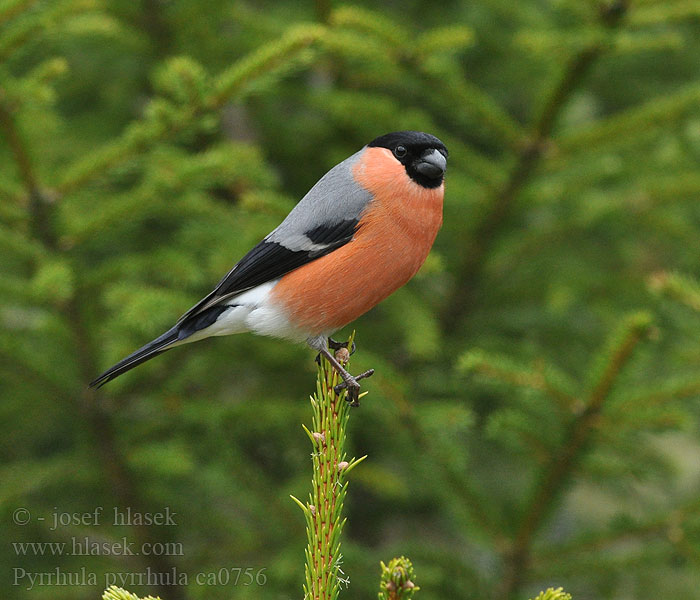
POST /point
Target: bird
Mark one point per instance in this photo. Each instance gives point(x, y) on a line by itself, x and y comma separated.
point(360, 233)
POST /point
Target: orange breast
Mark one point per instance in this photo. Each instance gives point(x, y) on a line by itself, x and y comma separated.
point(395, 235)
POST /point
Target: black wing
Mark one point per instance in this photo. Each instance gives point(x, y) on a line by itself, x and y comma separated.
point(270, 260)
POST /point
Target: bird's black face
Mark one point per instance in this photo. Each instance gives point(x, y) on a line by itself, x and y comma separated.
point(423, 155)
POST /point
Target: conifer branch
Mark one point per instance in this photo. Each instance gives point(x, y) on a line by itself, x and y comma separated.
point(117, 593)
point(553, 594)
point(397, 580)
point(371, 22)
point(618, 352)
point(676, 390)
point(479, 510)
point(542, 379)
point(18, 34)
point(636, 120)
point(666, 525)
point(136, 139)
point(561, 465)
point(324, 575)
point(528, 159)
point(39, 199)
point(680, 287)
point(17, 146)
point(457, 90)
point(233, 82)
point(165, 120)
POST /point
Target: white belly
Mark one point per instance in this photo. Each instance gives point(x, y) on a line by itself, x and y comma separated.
point(251, 311)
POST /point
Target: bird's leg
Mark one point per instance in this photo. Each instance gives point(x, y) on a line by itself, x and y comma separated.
point(349, 381)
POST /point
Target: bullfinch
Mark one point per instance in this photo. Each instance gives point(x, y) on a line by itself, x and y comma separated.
point(358, 235)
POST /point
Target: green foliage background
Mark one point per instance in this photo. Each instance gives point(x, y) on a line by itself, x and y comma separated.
point(534, 416)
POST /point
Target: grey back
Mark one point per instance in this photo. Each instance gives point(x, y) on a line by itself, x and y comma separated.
point(335, 198)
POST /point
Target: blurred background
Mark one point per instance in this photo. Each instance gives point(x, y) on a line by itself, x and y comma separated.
point(534, 416)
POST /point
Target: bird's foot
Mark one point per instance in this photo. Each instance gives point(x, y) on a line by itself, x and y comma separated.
point(338, 360)
point(350, 382)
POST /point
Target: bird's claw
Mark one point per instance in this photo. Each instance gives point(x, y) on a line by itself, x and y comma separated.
point(353, 396)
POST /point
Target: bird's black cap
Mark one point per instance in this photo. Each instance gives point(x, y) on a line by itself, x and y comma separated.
point(415, 139)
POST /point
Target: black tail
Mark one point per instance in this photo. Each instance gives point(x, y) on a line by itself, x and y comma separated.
point(157, 346)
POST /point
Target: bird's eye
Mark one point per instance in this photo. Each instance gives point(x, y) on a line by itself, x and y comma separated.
point(400, 151)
